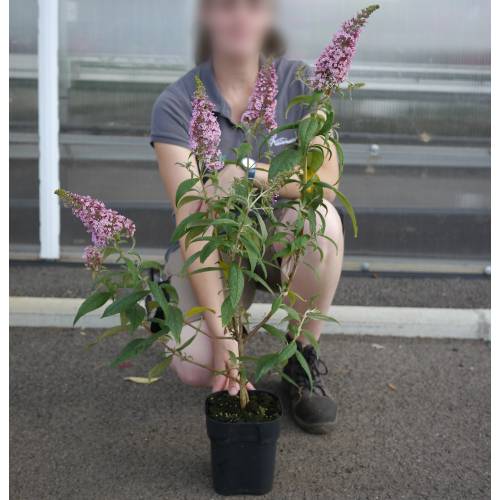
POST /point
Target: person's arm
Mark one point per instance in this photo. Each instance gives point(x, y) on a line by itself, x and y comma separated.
point(329, 173)
point(207, 286)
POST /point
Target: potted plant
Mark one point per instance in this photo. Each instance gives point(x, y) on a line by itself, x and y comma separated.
point(239, 225)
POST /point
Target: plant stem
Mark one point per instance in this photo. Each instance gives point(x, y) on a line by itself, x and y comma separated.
point(244, 397)
point(187, 359)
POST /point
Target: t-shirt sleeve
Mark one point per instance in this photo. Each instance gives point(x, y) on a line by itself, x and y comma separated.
point(170, 121)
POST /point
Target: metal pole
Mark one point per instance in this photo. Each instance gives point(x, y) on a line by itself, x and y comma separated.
point(48, 127)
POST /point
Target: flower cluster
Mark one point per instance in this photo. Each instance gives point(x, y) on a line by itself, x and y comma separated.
point(93, 258)
point(103, 224)
point(204, 130)
point(334, 63)
point(262, 103)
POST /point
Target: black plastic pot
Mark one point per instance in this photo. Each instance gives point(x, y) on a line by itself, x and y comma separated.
point(243, 455)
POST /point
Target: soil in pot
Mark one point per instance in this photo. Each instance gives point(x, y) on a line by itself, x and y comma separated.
point(263, 407)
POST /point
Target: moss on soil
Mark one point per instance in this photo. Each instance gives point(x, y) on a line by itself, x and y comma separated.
point(263, 407)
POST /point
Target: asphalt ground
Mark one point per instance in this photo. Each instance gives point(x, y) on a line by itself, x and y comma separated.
point(35, 279)
point(414, 423)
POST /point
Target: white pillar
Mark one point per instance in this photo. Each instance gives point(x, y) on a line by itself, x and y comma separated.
point(48, 127)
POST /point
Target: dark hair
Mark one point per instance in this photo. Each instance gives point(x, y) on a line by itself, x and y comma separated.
point(274, 45)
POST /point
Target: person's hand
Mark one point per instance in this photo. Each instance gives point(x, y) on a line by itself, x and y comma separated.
point(223, 363)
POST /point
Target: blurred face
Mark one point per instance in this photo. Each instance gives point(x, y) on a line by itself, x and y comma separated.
point(237, 28)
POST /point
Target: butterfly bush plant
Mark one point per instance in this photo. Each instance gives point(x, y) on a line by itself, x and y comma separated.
point(238, 223)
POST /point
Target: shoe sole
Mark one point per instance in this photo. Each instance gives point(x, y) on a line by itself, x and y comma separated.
point(319, 429)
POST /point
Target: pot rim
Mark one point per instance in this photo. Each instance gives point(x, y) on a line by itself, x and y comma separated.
point(268, 422)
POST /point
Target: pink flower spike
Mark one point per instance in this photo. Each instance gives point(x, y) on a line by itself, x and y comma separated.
point(334, 63)
point(103, 224)
point(93, 258)
point(262, 103)
point(204, 130)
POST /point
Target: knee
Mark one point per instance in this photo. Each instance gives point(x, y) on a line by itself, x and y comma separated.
point(192, 375)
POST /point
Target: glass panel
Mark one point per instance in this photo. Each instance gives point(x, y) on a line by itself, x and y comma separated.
point(416, 138)
point(23, 122)
point(116, 61)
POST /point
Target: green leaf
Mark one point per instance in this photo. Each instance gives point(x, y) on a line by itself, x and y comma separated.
point(243, 151)
point(327, 126)
point(275, 332)
point(172, 295)
point(347, 204)
point(135, 315)
point(136, 347)
point(95, 301)
point(224, 222)
point(175, 321)
point(188, 199)
point(159, 369)
point(315, 160)
point(252, 256)
point(355, 86)
point(284, 161)
point(292, 313)
point(317, 316)
point(159, 295)
point(305, 366)
point(187, 343)
point(194, 233)
point(309, 129)
point(265, 364)
point(189, 262)
point(312, 339)
point(287, 352)
point(185, 187)
point(236, 284)
point(124, 303)
point(208, 250)
point(184, 224)
point(277, 302)
point(108, 251)
point(258, 279)
point(195, 311)
point(340, 156)
point(151, 264)
point(284, 376)
point(227, 311)
point(262, 225)
point(300, 99)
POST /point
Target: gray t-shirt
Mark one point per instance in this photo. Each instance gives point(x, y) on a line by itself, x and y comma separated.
point(172, 110)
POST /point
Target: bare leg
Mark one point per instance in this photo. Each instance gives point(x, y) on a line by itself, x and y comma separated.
point(311, 404)
point(201, 351)
point(317, 278)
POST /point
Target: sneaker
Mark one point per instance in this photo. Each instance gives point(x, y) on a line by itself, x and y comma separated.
point(313, 409)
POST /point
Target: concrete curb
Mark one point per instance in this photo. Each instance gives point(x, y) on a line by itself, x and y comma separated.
point(354, 320)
